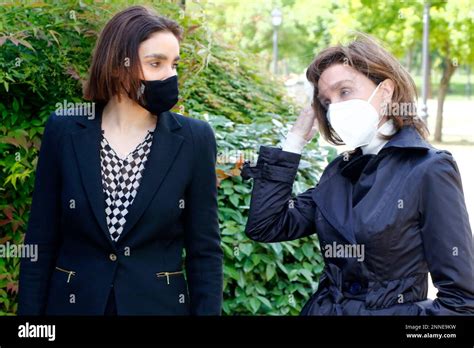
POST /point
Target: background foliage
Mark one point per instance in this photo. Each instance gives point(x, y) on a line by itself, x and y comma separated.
point(311, 25)
point(308, 26)
point(45, 52)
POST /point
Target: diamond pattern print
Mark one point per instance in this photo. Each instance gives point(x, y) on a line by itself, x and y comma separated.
point(120, 181)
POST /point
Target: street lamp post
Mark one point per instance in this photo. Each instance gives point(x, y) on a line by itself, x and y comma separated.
point(276, 22)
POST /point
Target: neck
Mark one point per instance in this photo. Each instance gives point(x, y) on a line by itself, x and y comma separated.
point(126, 115)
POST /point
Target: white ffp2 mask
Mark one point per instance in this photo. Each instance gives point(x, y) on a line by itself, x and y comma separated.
point(355, 121)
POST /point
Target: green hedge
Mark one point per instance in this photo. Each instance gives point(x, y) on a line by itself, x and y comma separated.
point(44, 56)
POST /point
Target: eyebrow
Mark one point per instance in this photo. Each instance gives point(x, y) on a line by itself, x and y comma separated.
point(161, 56)
point(336, 86)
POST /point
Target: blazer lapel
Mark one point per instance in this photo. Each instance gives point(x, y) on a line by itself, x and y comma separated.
point(334, 193)
point(87, 148)
point(165, 146)
point(333, 197)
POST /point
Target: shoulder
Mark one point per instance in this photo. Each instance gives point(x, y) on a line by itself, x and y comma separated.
point(427, 165)
point(68, 121)
point(198, 130)
point(437, 160)
point(199, 136)
point(439, 172)
point(57, 126)
point(193, 124)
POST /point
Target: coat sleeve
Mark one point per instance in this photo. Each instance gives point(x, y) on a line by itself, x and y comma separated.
point(447, 238)
point(202, 236)
point(275, 215)
point(43, 226)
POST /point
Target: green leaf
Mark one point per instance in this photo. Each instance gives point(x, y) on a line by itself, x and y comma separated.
point(254, 304)
point(270, 271)
point(231, 272)
point(235, 200)
point(248, 265)
point(308, 250)
point(265, 301)
point(307, 274)
point(246, 248)
point(276, 247)
point(15, 105)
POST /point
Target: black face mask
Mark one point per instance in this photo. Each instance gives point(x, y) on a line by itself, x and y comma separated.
point(160, 95)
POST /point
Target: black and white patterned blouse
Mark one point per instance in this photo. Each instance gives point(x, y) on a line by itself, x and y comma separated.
point(120, 181)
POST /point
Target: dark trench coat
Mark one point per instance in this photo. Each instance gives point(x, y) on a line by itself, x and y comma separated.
point(405, 206)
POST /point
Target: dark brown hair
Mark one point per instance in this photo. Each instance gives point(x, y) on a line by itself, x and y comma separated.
point(367, 56)
point(116, 65)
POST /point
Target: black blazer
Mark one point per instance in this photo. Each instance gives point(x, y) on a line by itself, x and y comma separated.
point(175, 209)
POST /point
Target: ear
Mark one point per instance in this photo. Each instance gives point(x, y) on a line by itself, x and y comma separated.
point(387, 88)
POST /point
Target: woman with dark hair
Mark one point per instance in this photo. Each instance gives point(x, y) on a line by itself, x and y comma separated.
point(387, 212)
point(119, 196)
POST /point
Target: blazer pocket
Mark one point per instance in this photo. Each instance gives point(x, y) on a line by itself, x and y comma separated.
point(168, 275)
point(69, 273)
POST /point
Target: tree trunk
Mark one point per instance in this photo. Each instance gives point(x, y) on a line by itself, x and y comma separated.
point(448, 71)
point(430, 82)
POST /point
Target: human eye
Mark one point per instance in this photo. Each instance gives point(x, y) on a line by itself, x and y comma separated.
point(344, 92)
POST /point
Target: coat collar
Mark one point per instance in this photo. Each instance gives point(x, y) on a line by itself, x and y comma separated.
point(333, 195)
point(406, 138)
point(165, 146)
